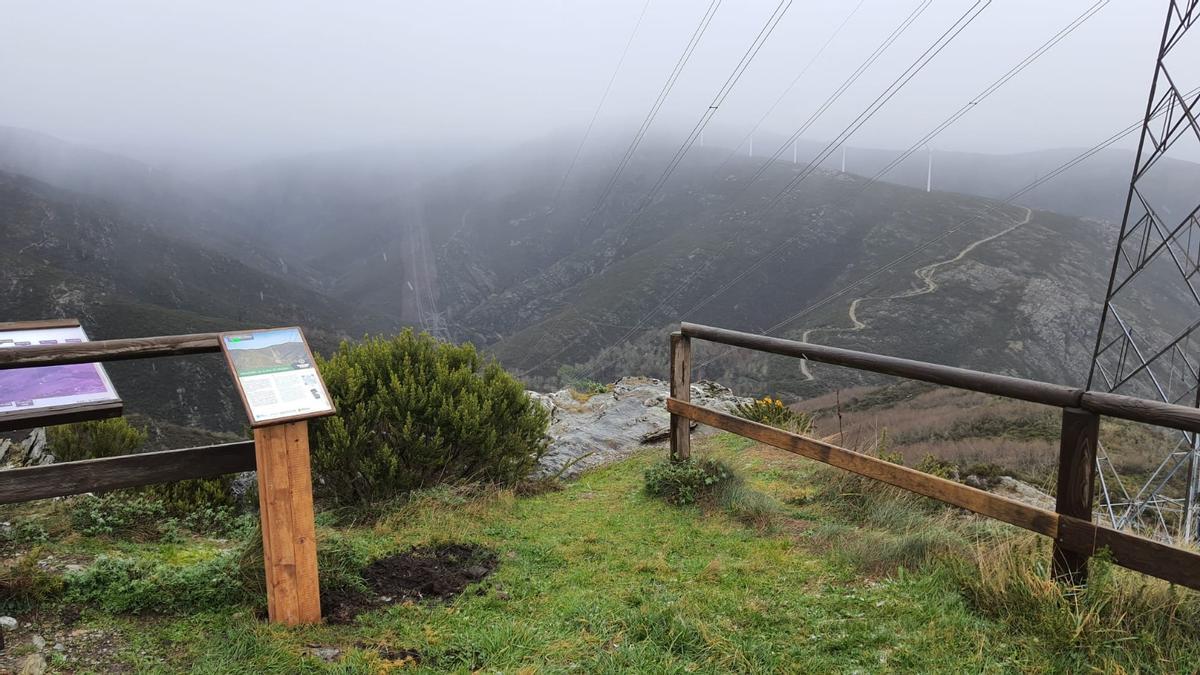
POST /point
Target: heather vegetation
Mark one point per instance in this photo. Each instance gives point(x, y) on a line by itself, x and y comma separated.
point(416, 412)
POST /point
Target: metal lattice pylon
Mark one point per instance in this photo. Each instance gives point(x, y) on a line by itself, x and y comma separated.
point(1144, 346)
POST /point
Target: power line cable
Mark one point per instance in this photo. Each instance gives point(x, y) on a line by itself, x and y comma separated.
point(846, 84)
point(663, 93)
point(603, 97)
point(994, 86)
point(968, 17)
point(719, 98)
point(1054, 173)
point(987, 91)
point(906, 76)
point(787, 90)
point(854, 76)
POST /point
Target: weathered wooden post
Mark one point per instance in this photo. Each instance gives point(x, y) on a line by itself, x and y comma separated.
point(681, 389)
point(281, 388)
point(288, 526)
point(1076, 486)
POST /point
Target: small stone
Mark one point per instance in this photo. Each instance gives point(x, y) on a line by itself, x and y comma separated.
point(60, 647)
point(39, 642)
point(385, 598)
point(327, 654)
point(8, 623)
point(34, 664)
point(73, 567)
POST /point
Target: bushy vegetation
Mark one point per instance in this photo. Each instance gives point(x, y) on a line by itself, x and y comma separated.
point(688, 481)
point(114, 437)
point(414, 412)
point(770, 411)
point(94, 439)
point(23, 583)
point(577, 381)
point(134, 586)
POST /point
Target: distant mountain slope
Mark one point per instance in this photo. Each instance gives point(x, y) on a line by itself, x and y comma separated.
point(67, 255)
point(550, 286)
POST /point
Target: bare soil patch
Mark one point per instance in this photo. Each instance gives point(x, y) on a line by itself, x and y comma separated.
point(436, 573)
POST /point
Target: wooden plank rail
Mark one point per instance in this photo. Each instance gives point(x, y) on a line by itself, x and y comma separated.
point(1113, 405)
point(1137, 553)
point(112, 473)
point(109, 350)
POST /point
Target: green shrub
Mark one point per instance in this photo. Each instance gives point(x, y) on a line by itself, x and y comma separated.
point(113, 514)
point(936, 466)
point(687, 482)
point(90, 440)
point(137, 586)
point(770, 411)
point(23, 583)
point(571, 378)
point(414, 412)
point(25, 532)
point(116, 436)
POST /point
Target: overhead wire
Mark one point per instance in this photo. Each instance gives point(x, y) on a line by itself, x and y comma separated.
point(603, 98)
point(987, 91)
point(792, 85)
point(655, 107)
point(994, 86)
point(1054, 173)
point(919, 64)
point(882, 47)
point(723, 92)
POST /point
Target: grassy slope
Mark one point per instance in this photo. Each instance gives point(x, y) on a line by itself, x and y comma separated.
point(600, 578)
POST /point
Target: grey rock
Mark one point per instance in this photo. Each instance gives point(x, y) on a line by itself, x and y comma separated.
point(8, 623)
point(975, 482)
point(39, 642)
point(326, 654)
point(36, 444)
point(609, 426)
point(60, 647)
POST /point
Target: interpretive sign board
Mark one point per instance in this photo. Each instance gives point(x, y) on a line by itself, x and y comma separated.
point(276, 376)
point(48, 395)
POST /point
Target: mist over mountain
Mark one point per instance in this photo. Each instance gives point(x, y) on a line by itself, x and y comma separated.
point(543, 274)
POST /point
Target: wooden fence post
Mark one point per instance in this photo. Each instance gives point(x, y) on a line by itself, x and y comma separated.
point(1076, 486)
point(681, 389)
point(289, 533)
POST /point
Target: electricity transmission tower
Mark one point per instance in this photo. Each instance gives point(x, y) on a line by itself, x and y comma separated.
point(1146, 344)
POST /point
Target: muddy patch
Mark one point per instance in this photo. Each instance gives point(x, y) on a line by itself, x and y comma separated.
point(433, 573)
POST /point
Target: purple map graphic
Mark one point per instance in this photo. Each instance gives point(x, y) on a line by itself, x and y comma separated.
point(30, 384)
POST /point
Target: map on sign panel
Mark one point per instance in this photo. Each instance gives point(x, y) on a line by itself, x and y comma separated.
point(24, 390)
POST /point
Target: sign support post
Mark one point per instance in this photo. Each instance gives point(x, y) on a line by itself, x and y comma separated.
point(288, 526)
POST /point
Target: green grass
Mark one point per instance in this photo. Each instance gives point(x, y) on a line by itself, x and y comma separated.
point(599, 577)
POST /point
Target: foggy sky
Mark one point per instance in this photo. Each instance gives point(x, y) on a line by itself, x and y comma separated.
point(241, 81)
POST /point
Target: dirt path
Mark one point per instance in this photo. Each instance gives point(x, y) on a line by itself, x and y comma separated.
point(928, 285)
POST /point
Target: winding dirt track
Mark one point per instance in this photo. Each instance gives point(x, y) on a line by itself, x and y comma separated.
point(928, 285)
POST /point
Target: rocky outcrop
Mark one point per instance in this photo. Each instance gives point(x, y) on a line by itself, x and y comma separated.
point(591, 429)
point(31, 451)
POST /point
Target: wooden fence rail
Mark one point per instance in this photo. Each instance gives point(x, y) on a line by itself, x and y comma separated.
point(1076, 538)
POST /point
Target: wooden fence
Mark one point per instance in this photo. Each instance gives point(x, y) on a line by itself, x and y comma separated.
point(1076, 537)
point(111, 473)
